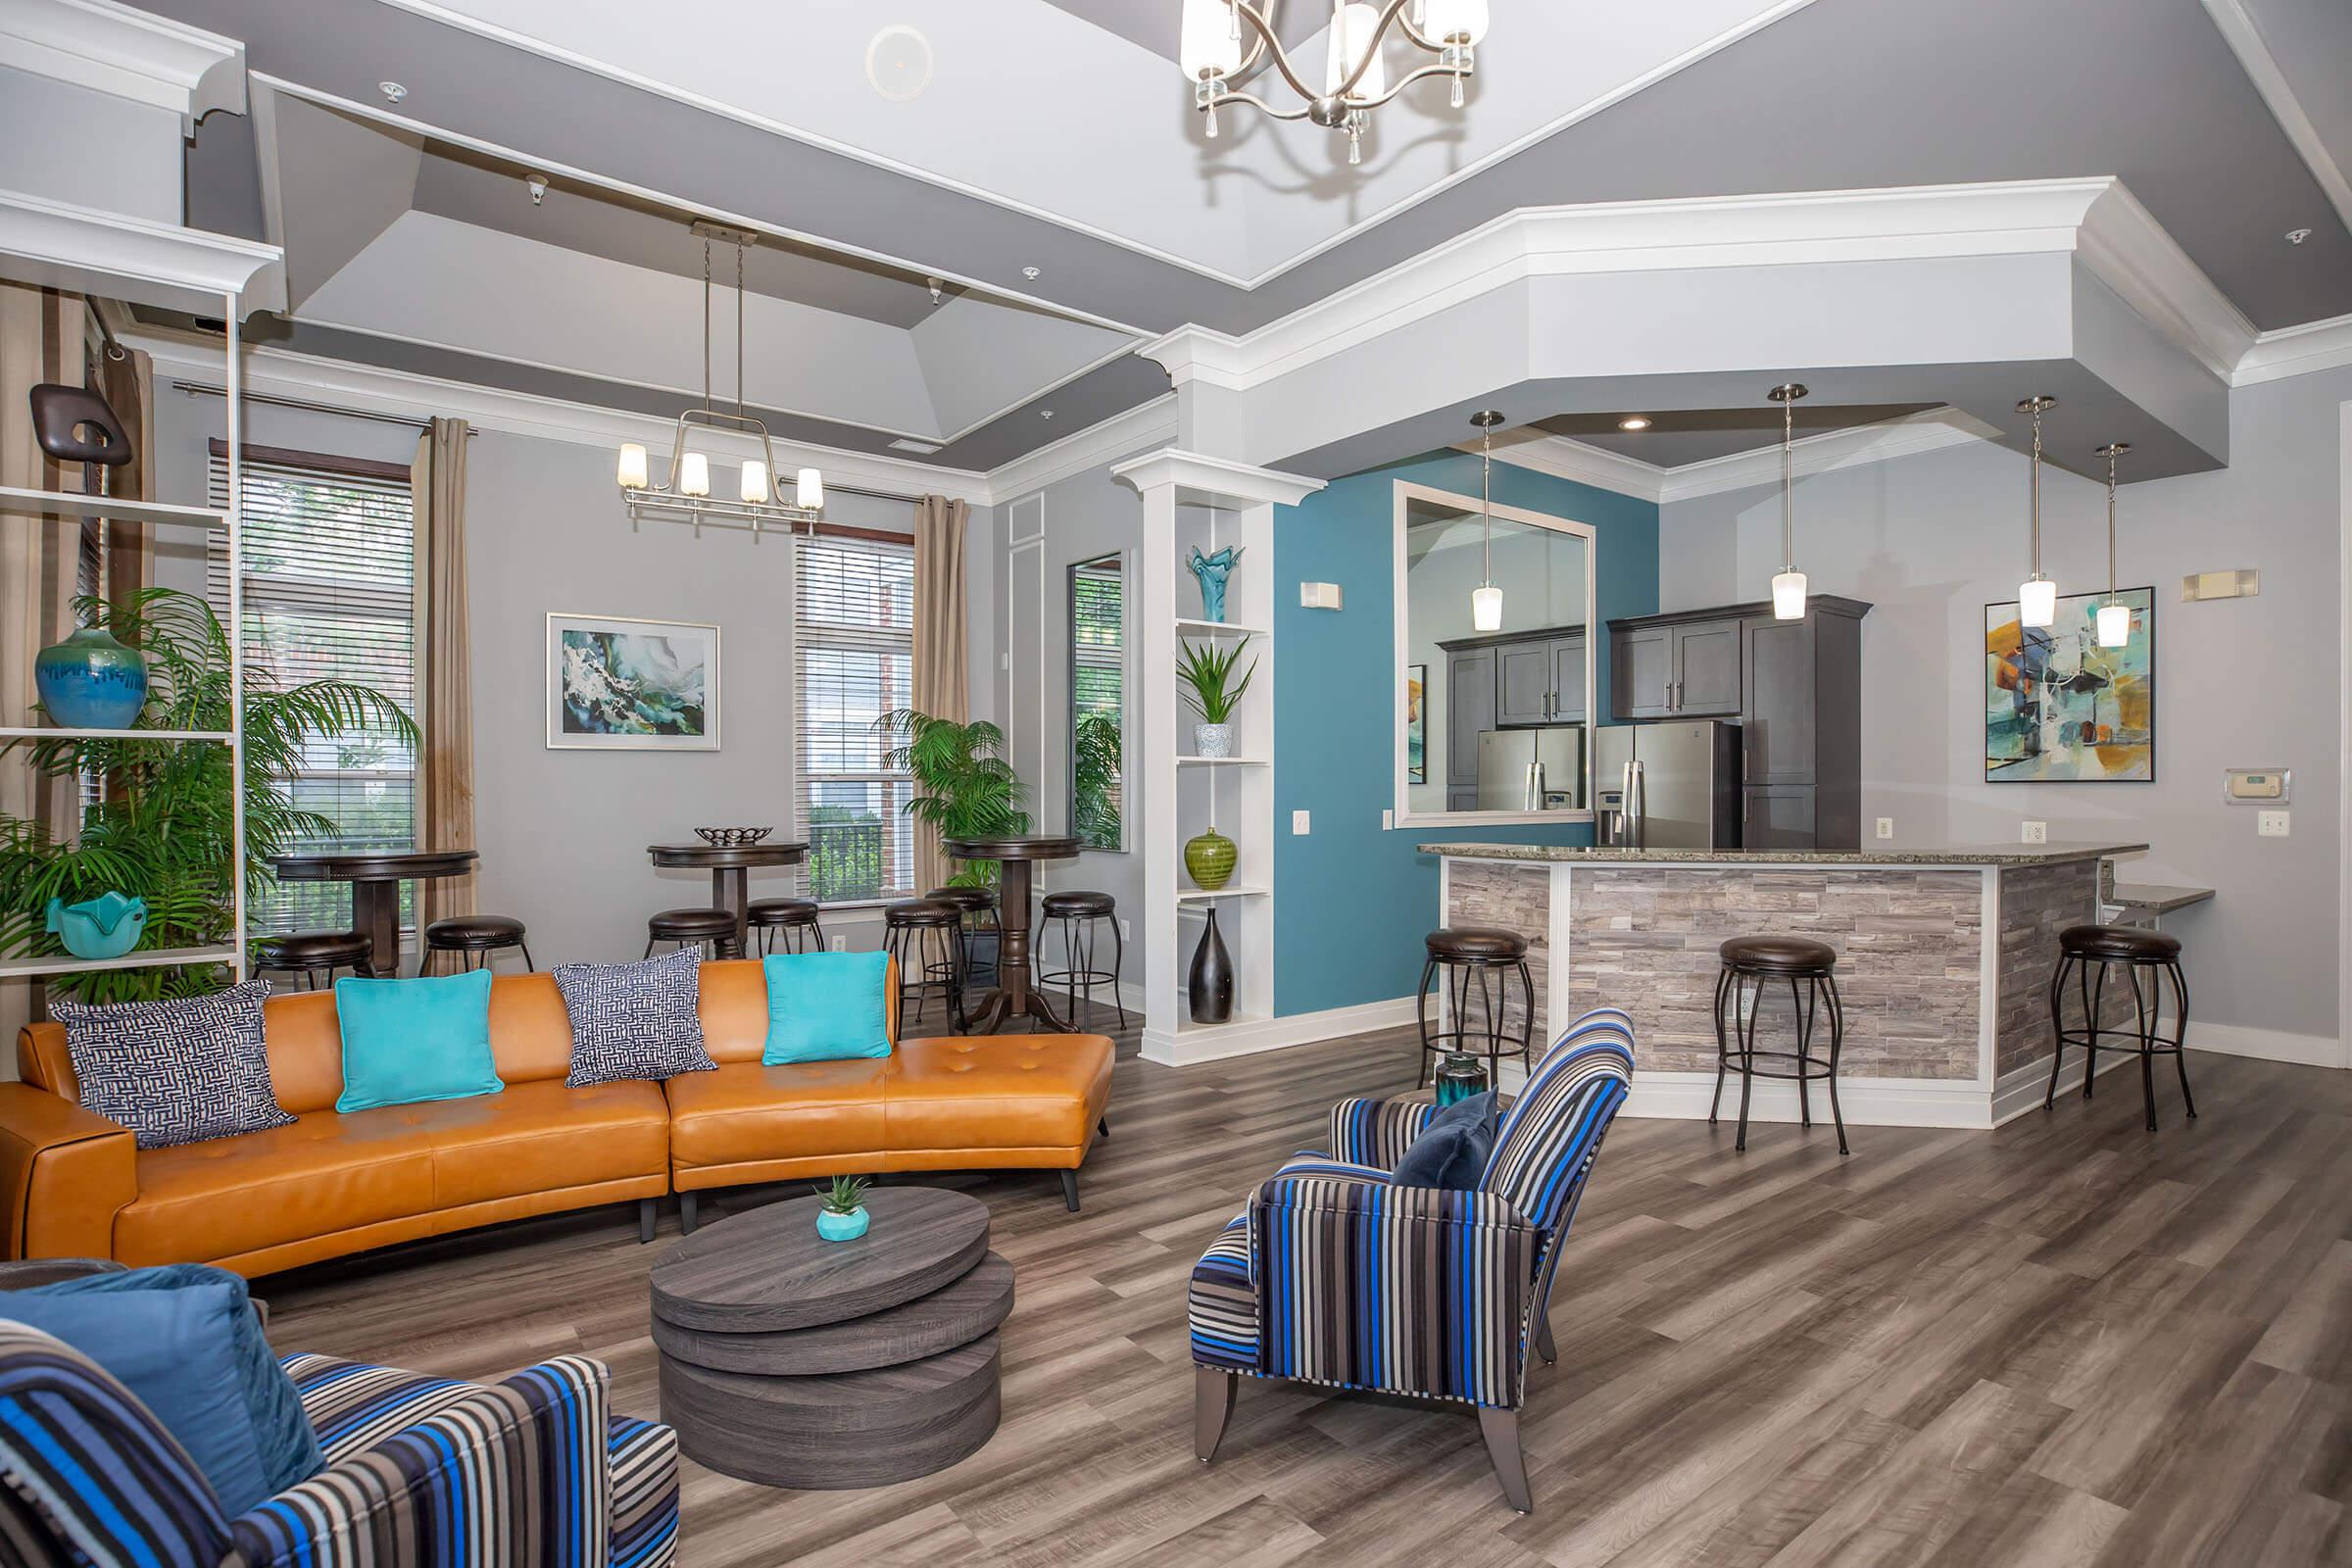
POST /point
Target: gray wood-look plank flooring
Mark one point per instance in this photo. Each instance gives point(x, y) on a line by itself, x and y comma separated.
point(2068, 1341)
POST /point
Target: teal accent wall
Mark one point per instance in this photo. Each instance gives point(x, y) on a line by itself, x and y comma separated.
point(1355, 900)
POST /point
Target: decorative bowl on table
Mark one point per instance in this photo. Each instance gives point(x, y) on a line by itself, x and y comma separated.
point(732, 838)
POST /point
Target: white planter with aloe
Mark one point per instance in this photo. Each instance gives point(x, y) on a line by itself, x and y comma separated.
point(1213, 690)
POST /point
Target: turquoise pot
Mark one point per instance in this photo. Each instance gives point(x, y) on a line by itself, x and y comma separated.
point(105, 927)
point(90, 681)
point(840, 1227)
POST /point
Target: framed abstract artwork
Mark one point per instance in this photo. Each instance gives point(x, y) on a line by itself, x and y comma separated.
point(632, 685)
point(1416, 723)
point(2060, 708)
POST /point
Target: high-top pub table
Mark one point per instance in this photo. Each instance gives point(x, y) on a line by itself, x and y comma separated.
point(730, 868)
point(1013, 999)
point(375, 880)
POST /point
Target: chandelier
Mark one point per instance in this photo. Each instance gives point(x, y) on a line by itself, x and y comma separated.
point(1354, 77)
point(686, 497)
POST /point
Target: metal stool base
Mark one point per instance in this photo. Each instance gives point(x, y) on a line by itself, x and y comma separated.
point(1492, 1041)
point(2143, 1041)
point(1080, 946)
point(1803, 1067)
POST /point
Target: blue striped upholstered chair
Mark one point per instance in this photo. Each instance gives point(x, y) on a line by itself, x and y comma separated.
point(1331, 1275)
point(420, 1471)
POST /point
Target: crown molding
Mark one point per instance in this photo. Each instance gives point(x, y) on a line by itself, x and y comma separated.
point(90, 251)
point(2296, 351)
point(2129, 251)
point(125, 54)
point(1201, 480)
point(1566, 458)
point(2243, 34)
point(1147, 424)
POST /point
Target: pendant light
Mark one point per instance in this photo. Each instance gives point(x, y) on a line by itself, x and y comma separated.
point(2036, 596)
point(1789, 586)
point(2114, 620)
point(1486, 600)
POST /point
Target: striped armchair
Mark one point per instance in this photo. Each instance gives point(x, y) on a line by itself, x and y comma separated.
point(1331, 1275)
point(420, 1471)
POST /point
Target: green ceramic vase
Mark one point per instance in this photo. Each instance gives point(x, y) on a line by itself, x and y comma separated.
point(1209, 859)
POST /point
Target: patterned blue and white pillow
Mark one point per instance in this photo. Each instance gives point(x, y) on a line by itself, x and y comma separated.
point(175, 1072)
point(635, 1020)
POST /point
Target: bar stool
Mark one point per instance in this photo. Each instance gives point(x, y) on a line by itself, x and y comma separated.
point(925, 937)
point(794, 918)
point(712, 930)
point(979, 906)
point(1765, 960)
point(1081, 916)
point(1464, 953)
point(2135, 948)
point(474, 938)
point(314, 953)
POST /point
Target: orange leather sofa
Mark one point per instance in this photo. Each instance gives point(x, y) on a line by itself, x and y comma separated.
point(73, 1184)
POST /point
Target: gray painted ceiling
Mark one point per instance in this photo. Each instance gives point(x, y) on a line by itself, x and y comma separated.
point(1838, 94)
point(1677, 436)
point(1152, 23)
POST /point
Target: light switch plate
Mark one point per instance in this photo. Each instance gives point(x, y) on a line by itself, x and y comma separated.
point(1388, 820)
point(1886, 827)
point(2036, 833)
point(1299, 822)
point(2271, 824)
point(839, 944)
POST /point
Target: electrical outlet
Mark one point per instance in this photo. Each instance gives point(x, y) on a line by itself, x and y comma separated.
point(2270, 824)
point(2037, 833)
point(1886, 827)
point(838, 944)
point(1299, 822)
point(1126, 932)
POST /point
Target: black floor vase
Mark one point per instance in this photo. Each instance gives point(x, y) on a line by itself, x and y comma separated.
point(1210, 991)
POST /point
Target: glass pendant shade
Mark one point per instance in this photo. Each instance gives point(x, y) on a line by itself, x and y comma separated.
point(755, 481)
point(2115, 625)
point(2037, 602)
point(1457, 20)
point(1352, 31)
point(1210, 44)
point(1486, 608)
point(693, 476)
point(632, 466)
point(1788, 595)
point(808, 490)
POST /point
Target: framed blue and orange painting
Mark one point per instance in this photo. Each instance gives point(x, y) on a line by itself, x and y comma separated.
point(2061, 709)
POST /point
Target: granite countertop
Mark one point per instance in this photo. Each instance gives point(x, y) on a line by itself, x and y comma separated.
point(2156, 898)
point(2014, 854)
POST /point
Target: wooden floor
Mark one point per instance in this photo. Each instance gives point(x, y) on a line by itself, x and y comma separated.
point(2067, 1342)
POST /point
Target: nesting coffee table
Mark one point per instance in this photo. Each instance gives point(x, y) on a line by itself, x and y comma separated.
point(819, 1366)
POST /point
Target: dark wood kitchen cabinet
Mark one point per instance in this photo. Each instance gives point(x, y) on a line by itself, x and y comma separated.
point(1662, 667)
point(1513, 679)
point(1469, 710)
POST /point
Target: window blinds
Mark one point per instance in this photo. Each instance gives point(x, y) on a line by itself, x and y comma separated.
point(854, 661)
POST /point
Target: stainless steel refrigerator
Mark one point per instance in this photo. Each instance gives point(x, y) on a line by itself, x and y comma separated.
point(1667, 786)
point(1531, 769)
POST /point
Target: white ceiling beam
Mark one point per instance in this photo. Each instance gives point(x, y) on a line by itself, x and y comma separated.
point(125, 54)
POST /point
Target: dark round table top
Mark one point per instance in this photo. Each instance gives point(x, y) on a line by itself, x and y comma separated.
point(721, 857)
point(1011, 849)
point(769, 1269)
point(387, 866)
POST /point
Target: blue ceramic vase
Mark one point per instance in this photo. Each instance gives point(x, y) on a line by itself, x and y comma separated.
point(840, 1227)
point(104, 927)
point(90, 681)
point(1212, 570)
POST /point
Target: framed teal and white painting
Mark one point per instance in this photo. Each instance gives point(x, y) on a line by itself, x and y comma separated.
point(632, 685)
point(2059, 709)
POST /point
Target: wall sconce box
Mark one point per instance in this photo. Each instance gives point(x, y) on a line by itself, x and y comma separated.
point(1318, 596)
point(2243, 583)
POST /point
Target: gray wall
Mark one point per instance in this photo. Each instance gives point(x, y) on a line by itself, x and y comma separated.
point(562, 833)
point(1930, 539)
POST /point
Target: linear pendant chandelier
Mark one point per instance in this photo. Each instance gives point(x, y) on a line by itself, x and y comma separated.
point(1214, 50)
point(686, 497)
point(2036, 596)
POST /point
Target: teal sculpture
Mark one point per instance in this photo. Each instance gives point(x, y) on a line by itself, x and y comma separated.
point(104, 927)
point(1212, 570)
point(91, 681)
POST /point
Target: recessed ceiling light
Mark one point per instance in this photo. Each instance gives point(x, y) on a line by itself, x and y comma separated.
point(393, 91)
point(2297, 236)
point(1032, 274)
point(897, 63)
point(1633, 421)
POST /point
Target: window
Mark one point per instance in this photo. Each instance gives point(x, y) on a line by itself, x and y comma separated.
point(330, 555)
point(854, 661)
point(1098, 701)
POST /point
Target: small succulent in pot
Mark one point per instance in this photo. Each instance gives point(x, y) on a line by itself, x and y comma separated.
point(841, 1216)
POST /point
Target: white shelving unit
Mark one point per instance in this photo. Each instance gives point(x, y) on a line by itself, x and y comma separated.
point(1191, 500)
point(108, 255)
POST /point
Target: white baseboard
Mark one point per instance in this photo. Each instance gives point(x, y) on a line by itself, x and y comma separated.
point(1866, 1101)
point(1247, 1038)
point(2027, 1086)
point(2271, 1045)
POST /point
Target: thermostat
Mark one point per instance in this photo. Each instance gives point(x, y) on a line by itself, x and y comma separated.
point(2250, 786)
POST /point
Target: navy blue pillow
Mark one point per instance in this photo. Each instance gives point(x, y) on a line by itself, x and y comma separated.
point(1453, 1150)
point(183, 1338)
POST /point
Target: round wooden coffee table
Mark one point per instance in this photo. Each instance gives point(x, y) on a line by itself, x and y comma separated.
point(796, 1361)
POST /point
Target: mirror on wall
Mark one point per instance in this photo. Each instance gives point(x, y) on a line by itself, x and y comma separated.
point(1496, 720)
point(1098, 702)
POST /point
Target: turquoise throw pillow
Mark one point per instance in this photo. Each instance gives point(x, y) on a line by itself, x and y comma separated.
point(826, 1007)
point(185, 1342)
point(406, 1040)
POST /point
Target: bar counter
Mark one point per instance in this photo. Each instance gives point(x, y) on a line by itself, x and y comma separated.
point(1945, 955)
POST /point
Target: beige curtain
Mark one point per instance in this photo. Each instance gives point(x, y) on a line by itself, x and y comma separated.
point(444, 644)
point(126, 379)
point(40, 340)
point(942, 686)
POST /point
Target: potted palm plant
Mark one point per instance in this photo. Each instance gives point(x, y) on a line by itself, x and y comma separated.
point(1213, 693)
point(159, 827)
point(963, 787)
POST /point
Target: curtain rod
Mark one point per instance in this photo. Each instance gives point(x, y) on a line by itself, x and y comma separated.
point(200, 389)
